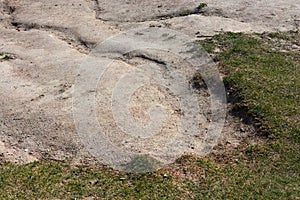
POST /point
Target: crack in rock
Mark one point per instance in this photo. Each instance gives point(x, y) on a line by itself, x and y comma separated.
point(64, 34)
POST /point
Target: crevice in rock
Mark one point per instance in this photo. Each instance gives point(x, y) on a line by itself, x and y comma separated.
point(62, 33)
point(200, 10)
point(182, 13)
point(97, 8)
point(144, 56)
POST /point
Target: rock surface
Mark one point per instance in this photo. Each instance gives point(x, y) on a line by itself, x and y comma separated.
point(48, 40)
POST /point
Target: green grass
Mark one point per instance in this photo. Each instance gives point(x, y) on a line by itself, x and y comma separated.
point(267, 81)
point(201, 6)
point(44, 180)
point(4, 57)
point(262, 73)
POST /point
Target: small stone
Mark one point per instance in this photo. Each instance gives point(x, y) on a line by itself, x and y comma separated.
point(217, 50)
point(93, 182)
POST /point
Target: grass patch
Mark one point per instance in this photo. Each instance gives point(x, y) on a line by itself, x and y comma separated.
point(47, 180)
point(4, 57)
point(201, 6)
point(264, 78)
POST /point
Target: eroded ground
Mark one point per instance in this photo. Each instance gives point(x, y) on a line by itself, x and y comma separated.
point(43, 43)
